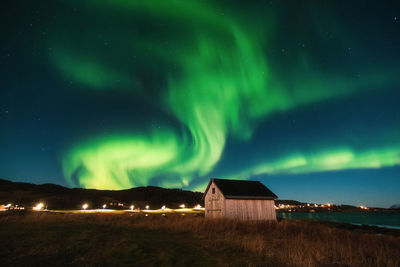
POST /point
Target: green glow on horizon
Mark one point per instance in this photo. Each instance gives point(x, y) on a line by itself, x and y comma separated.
point(224, 88)
point(120, 162)
point(329, 160)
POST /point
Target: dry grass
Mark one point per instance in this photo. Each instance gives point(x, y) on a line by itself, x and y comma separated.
point(287, 243)
point(291, 242)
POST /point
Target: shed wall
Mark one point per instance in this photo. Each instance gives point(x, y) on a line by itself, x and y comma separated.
point(214, 203)
point(250, 209)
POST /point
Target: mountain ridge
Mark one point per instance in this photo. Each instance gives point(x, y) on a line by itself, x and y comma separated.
point(60, 197)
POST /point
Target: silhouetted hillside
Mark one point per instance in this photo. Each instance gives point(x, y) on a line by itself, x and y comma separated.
point(288, 202)
point(59, 197)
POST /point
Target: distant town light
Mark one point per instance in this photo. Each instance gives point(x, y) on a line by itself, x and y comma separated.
point(104, 206)
point(198, 206)
point(132, 207)
point(182, 206)
point(163, 207)
point(38, 207)
point(85, 206)
point(147, 207)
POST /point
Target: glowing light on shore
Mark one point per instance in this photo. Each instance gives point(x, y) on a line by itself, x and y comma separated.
point(5, 207)
point(132, 207)
point(198, 207)
point(182, 206)
point(38, 207)
point(119, 211)
point(104, 206)
point(85, 206)
point(147, 207)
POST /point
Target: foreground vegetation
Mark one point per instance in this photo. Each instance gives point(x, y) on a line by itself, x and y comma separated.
point(190, 240)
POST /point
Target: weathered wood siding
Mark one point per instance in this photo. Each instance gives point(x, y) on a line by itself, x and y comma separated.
point(250, 209)
point(214, 203)
point(216, 206)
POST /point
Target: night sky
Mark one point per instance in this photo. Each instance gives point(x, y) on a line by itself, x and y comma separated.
point(112, 94)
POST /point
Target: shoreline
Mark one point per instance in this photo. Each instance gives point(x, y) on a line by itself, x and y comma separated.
point(361, 228)
point(382, 220)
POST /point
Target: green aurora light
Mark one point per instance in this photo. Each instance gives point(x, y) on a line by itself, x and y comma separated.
point(223, 86)
point(327, 160)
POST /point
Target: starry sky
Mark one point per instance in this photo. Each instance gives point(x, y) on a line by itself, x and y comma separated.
point(301, 95)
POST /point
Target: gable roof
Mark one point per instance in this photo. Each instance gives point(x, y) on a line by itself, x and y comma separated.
point(240, 189)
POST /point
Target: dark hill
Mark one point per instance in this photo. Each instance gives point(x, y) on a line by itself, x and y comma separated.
point(287, 202)
point(59, 197)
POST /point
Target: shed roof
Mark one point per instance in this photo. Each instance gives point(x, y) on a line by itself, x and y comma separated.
point(240, 189)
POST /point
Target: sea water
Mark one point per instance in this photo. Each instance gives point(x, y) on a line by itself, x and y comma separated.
point(380, 219)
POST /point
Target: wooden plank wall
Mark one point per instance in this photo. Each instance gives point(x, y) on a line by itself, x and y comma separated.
point(216, 206)
point(214, 203)
point(250, 209)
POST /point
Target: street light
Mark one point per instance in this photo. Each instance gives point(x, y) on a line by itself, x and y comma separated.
point(38, 207)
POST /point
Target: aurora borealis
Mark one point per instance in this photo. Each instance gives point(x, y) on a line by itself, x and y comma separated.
point(117, 94)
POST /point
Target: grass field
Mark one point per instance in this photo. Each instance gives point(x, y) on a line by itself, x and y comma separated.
point(43, 239)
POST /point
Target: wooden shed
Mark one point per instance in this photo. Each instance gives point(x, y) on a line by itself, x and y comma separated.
point(238, 199)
